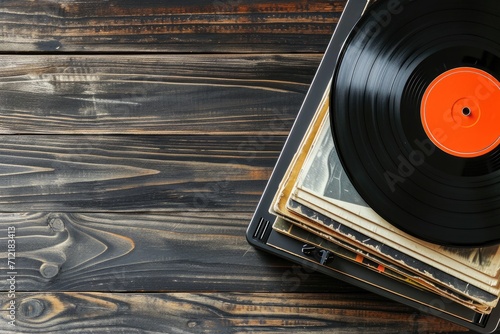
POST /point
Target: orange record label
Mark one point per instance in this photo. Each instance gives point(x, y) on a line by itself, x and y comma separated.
point(460, 112)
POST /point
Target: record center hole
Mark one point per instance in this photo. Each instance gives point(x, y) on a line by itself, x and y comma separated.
point(466, 111)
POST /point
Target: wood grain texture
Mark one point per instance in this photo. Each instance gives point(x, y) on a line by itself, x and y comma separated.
point(199, 94)
point(134, 173)
point(255, 97)
point(167, 26)
point(217, 313)
point(181, 251)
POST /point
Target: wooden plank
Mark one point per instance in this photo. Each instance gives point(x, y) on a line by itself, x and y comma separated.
point(134, 173)
point(216, 313)
point(194, 94)
point(179, 251)
point(167, 26)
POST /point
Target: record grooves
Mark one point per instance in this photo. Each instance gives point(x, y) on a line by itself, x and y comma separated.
point(415, 120)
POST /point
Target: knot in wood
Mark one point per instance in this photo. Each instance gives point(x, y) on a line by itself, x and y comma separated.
point(56, 224)
point(31, 308)
point(49, 270)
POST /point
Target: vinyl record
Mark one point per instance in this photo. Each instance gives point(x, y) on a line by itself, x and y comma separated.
point(416, 117)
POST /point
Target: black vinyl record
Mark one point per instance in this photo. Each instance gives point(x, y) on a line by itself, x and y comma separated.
point(416, 117)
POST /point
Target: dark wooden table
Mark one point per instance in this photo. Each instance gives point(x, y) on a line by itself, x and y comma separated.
point(136, 139)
